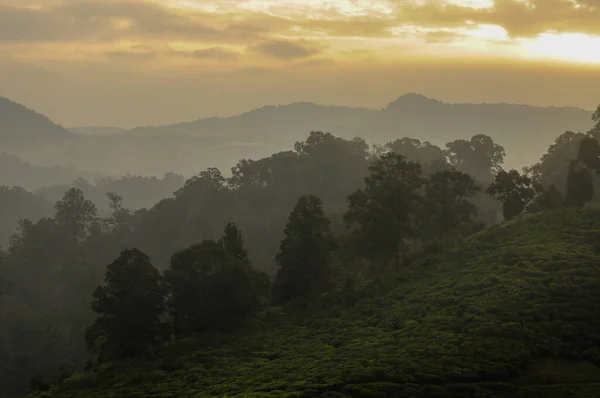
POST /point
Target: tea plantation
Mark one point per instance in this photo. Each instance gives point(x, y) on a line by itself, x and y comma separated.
point(513, 312)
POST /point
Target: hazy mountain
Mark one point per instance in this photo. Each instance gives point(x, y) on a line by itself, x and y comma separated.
point(431, 117)
point(186, 148)
point(294, 120)
point(20, 125)
point(525, 131)
point(94, 130)
point(16, 172)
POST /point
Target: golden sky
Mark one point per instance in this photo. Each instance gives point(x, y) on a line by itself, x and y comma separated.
point(131, 62)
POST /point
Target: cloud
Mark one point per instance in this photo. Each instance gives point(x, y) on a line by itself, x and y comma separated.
point(519, 18)
point(79, 20)
point(131, 55)
point(215, 53)
point(284, 49)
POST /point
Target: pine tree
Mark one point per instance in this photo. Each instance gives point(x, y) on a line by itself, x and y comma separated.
point(304, 255)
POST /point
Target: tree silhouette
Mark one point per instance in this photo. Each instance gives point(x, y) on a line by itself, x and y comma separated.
point(479, 157)
point(580, 182)
point(384, 211)
point(128, 307)
point(514, 190)
point(304, 255)
point(448, 195)
point(210, 289)
point(75, 213)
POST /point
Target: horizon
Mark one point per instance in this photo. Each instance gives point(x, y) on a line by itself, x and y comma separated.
point(109, 126)
point(157, 62)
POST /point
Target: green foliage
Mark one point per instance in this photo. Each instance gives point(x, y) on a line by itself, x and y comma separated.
point(304, 257)
point(545, 200)
point(384, 211)
point(514, 190)
point(209, 289)
point(509, 313)
point(479, 157)
point(448, 196)
point(431, 157)
point(75, 213)
point(580, 183)
point(129, 308)
point(233, 243)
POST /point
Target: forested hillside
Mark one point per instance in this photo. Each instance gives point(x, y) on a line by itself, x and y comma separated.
point(508, 313)
point(397, 245)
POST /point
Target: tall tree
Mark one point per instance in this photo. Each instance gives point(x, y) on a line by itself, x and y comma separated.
point(580, 182)
point(596, 119)
point(552, 169)
point(480, 157)
point(129, 308)
point(210, 289)
point(385, 210)
point(514, 190)
point(545, 199)
point(233, 243)
point(304, 257)
point(75, 213)
point(431, 157)
point(448, 195)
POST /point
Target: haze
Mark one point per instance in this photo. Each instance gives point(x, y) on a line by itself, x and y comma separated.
point(145, 62)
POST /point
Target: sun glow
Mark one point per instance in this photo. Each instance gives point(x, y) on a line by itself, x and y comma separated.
point(570, 47)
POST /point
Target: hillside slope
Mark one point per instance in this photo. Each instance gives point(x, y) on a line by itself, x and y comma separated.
point(511, 313)
point(22, 126)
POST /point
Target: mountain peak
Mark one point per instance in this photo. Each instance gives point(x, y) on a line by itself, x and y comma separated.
point(412, 100)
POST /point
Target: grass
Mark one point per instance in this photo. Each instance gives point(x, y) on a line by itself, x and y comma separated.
point(509, 313)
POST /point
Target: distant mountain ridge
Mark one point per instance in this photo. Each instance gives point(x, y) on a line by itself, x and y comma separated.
point(412, 115)
point(20, 125)
point(525, 131)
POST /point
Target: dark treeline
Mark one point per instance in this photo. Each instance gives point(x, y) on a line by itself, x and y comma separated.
point(298, 226)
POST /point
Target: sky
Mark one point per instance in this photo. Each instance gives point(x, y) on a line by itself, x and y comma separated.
point(141, 62)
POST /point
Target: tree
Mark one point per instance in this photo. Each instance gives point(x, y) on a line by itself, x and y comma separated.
point(552, 169)
point(545, 199)
point(431, 157)
point(75, 213)
point(384, 212)
point(210, 289)
point(514, 190)
point(448, 194)
point(580, 183)
point(129, 308)
point(479, 157)
point(233, 242)
point(304, 256)
point(596, 119)
point(589, 152)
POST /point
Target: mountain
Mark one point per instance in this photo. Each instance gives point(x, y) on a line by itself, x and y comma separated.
point(92, 130)
point(525, 131)
point(17, 172)
point(511, 312)
point(274, 121)
point(20, 126)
